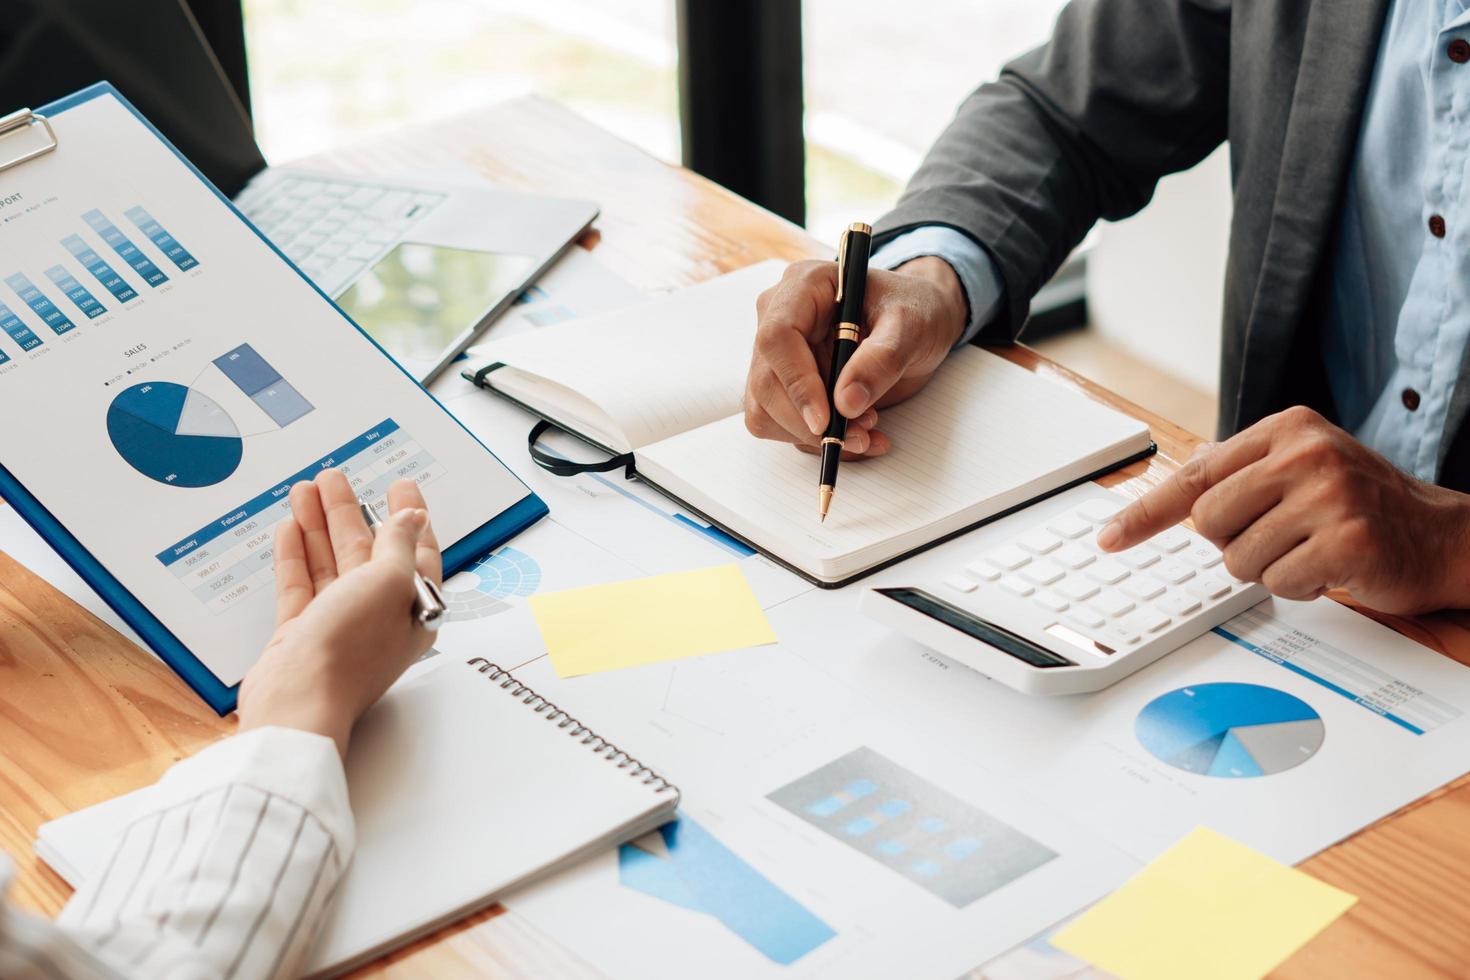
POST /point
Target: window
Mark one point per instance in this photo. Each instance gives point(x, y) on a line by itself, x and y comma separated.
point(328, 72)
point(881, 85)
point(878, 87)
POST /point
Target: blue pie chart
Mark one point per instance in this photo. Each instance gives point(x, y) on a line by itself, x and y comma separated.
point(1230, 731)
point(173, 434)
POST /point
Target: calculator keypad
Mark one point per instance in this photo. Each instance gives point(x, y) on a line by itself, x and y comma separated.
point(1117, 600)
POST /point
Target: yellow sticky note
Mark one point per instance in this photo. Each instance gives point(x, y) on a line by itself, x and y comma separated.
point(1209, 909)
point(648, 620)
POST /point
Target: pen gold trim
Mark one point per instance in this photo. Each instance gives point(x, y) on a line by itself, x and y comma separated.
point(845, 339)
point(841, 265)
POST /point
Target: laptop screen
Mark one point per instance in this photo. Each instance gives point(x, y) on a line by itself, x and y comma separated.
point(154, 52)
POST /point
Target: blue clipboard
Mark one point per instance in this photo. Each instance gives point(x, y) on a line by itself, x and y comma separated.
point(488, 536)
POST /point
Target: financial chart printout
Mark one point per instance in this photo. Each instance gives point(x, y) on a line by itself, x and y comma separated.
point(167, 377)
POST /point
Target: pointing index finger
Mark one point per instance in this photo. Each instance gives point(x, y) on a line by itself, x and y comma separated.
point(1171, 501)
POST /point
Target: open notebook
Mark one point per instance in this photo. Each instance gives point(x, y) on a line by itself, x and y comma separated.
point(464, 784)
point(663, 381)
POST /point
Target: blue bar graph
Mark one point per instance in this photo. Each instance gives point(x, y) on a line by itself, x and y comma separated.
point(19, 332)
point(167, 244)
point(124, 247)
point(264, 384)
point(76, 292)
point(40, 304)
point(95, 264)
point(855, 790)
point(936, 840)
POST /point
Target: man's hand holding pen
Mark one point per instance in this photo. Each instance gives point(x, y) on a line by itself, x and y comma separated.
point(912, 317)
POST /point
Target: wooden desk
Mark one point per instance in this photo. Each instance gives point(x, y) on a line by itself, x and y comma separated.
point(84, 715)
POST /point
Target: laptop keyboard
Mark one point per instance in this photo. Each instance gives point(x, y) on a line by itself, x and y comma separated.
point(335, 228)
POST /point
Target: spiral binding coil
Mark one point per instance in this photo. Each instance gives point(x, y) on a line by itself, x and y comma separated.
point(574, 728)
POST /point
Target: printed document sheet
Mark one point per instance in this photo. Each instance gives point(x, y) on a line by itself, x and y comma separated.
point(167, 376)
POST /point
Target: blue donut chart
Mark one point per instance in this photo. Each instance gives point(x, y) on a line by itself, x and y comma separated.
point(174, 435)
point(480, 590)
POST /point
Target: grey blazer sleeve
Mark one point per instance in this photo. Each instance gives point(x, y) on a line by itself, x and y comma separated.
point(1082, 128)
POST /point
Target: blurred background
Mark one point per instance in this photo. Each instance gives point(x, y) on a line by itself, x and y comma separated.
point(865, 86)
point(818, 110)
point(324, 72)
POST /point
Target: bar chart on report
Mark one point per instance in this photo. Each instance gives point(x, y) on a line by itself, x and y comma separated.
point(99, 269)
point(16, 329)
point(40, 304)
point(77, 283)
point(126, 250)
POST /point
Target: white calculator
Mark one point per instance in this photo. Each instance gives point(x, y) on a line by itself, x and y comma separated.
point(1048, 612)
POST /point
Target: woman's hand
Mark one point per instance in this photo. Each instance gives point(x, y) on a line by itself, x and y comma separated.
point(344, 627)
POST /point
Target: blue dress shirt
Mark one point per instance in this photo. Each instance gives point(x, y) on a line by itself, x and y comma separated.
point(978, 275)
point(1398, 320)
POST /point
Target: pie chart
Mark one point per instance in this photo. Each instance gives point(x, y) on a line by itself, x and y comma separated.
point(1232, 731)
point(174, 434)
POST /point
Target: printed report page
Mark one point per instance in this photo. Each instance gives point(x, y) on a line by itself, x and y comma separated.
point(167, 377)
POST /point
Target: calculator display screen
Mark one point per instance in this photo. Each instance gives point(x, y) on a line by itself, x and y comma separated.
point(977, 628)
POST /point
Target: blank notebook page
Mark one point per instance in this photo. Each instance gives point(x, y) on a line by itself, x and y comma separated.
point(977, 440)
point(657, 368)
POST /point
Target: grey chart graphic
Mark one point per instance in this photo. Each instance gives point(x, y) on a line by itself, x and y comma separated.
point(481, 590)
point(936, 840)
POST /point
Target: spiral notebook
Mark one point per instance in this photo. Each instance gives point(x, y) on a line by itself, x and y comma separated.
point(496, 785)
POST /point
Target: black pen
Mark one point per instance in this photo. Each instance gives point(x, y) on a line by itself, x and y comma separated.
point(852, 279)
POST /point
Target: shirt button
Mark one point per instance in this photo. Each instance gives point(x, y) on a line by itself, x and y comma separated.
point(1436, 226)
point(1459, 51)
point(1410, 398)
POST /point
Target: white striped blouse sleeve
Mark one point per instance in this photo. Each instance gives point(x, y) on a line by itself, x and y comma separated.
point(226, 867)
point(33, 949)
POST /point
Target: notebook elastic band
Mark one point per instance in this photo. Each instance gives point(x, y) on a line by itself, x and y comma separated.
point(558, 465)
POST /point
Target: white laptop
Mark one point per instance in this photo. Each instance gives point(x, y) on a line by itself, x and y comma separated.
point(424, 267)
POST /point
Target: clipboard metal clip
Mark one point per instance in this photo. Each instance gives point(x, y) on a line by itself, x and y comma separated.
point(24, 120)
